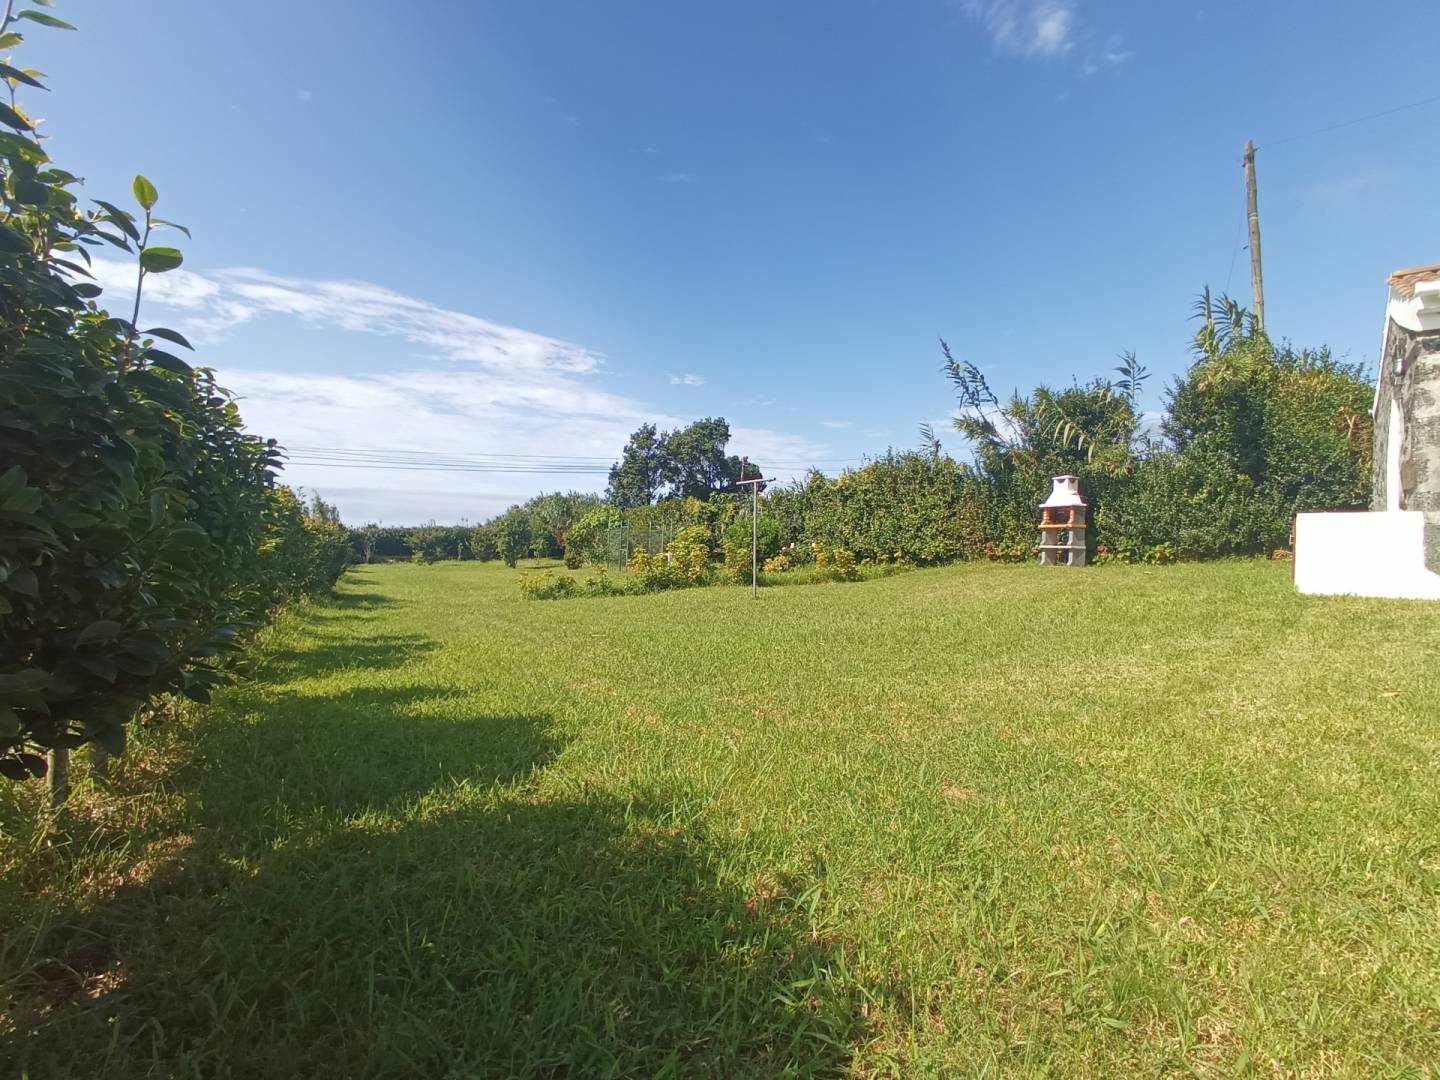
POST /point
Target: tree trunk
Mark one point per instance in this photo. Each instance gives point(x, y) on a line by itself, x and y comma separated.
point(59, 775)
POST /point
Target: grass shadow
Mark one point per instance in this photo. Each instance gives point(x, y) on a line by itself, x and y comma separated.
point(503, 937)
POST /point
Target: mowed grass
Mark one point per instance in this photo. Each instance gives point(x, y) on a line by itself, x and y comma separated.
point(979, 820)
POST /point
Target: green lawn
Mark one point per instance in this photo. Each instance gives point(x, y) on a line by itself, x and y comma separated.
point(978, 820)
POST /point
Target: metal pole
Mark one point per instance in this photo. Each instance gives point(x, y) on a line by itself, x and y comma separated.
point(754, 540)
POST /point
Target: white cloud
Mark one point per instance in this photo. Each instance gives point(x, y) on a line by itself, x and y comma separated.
point(835, 423)
point(513, 392)
point(688, 379)
point(1046, 30)
point(1109, 55)
point(220, 300)
point(1026, 27)
point(676, 178)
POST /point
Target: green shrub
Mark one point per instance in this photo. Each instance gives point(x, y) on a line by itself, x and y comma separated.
point(835, 564)
point(432, 543)
point(512, 536)
point(546, 585)
point(483, 545)
point(142, 532)
point(768, 535)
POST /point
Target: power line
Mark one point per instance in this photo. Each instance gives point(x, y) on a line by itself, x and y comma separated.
point(1235, 252)
point(1350, 123)
point(436, 461)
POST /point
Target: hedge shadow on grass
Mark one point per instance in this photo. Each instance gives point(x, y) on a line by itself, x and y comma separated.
point(322, 654)
point(369, 883)
point(500, 933)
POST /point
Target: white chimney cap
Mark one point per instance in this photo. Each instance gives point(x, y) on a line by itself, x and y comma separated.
point(1065, 492)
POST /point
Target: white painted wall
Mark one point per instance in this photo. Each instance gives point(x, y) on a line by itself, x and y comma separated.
point(1364, 554)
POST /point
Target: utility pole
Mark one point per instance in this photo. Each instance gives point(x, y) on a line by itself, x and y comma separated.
point(1257, 280)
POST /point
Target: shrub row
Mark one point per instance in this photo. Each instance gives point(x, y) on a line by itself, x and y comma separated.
point(141, 532)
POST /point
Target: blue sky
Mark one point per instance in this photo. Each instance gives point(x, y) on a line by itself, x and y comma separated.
point(526, 227)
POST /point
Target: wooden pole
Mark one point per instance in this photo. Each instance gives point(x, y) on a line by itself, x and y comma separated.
point(1257, 280)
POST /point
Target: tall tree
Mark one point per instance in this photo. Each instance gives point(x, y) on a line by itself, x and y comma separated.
point(689, 462)
point(693, 460)
point(635, 478)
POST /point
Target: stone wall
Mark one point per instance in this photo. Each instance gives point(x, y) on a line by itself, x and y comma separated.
point(1417, 388)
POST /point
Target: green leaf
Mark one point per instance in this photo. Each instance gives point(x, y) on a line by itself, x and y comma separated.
point(43, 19)
point(28, 679)
point(25, 501)
point(196, 692)
point(99, 630)
point(157, 260)
point(8, 72)
point(166, 362)
point(31, 193)
point(187, 536)
point(145, 193)
point(10, 39)
point(120, 217)
point(12, 481)
point(173, 225)
point(168, 335)
point(12, 242)
point(24, 582)
point(13, 119)
point(112, 738)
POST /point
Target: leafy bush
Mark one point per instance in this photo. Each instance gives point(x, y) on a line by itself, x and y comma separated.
point(374, 543)
point(432, 543)
point(547, 585)
point(303, 553)
point(512, 536)
point(768, 535)
point(483, 545)
point(777, 564)
point(142, 533)
point(736, 559)
point(835, 564)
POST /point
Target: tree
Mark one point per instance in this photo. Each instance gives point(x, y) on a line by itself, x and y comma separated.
point(693, 462)
point(513, 535)
point(636, 477)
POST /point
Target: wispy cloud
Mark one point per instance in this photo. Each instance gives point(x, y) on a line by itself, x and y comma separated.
point(220, 300)
point(688, 379)
point(676, 178)
point(1047, 30)
point(477, 387)
point(835, 423)
point(1110, 54)
point(1026, 27)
